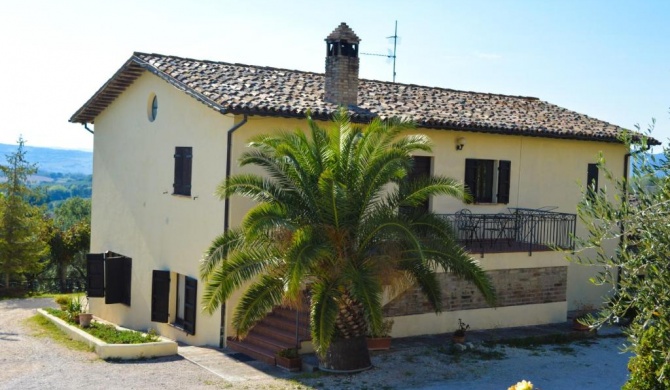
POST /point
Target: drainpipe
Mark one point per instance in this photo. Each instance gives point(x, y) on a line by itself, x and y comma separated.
point(229, 157)
point(226, 213)
point(626, 164)
point(87, 129)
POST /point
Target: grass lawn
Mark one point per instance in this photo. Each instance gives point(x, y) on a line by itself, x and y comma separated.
point(42, 327)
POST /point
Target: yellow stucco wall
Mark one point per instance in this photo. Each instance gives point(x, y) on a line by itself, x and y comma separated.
point(135, 214)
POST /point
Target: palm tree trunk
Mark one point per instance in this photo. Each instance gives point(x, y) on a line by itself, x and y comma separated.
point(348, 351)
point(346, 356)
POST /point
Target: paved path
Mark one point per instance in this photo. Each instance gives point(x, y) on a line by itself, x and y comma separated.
point(230, 366)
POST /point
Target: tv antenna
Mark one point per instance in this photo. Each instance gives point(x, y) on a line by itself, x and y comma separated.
point(389, 55)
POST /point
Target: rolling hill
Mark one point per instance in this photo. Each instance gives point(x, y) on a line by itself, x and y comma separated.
point(54, 160)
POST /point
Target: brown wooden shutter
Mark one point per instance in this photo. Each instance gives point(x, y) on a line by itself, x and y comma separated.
point(183, 163)
point(592, 178)
point(127, 267)
point(504, 169)
point(471, 177)
point(118, 272)
point(160, 296)
point(190, 304)
point(95, 275)
point(188, 165)
point(420, 169)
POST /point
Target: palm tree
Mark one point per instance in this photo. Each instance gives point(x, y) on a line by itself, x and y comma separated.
point(336, 213)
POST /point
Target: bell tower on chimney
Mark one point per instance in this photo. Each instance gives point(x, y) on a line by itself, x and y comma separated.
point(342, 63)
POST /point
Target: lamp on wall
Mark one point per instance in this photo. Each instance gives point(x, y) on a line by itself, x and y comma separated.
point(460, 142)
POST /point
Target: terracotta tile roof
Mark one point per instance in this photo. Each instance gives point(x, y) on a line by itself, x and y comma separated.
point(256, 90)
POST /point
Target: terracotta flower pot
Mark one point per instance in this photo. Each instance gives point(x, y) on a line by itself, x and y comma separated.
point(378, 343)
point(85, 319)
point(458, 339)
point(290, 364)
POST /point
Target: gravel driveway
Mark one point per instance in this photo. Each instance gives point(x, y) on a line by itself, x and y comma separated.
point(28, 362)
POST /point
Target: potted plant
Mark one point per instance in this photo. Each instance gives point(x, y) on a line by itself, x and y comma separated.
point(85, 318)
point(289, 359)
point(74, 309)
point(459, 334)
point(581, 315)
point(380, 339)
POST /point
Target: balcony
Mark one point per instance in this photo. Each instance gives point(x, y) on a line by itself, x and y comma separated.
point(520, 230)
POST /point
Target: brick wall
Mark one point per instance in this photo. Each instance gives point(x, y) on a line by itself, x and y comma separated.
point(521, 286)
point(341, 81)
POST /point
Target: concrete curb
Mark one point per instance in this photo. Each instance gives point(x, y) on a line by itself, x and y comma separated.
point(164, 347)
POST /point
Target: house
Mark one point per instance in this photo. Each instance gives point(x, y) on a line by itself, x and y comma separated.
point(169, 129)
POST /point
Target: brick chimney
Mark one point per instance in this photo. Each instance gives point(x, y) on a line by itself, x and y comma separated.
point(341, 85)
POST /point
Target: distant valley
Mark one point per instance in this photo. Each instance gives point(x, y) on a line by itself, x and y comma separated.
point(50, 160)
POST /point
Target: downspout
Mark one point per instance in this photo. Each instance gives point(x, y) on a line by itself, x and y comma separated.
point(87, 129)
point(626, 164)
point(226, 213)
point(229, 156)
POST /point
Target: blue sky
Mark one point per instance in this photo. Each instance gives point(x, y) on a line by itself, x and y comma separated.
point(606, 59)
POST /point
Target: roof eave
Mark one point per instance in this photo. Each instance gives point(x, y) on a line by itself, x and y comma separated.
point(108, 92)
point(121, 80)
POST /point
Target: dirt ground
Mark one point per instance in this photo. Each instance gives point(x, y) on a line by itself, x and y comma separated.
point(30, 362)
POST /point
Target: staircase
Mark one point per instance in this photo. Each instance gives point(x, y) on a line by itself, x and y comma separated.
point(277, 331)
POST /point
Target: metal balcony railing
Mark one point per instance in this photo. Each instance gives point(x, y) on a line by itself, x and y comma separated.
point(520, 230)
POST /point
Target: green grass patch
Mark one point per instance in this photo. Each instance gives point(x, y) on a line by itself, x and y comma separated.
point(43, 327)
point(108, 333)
point(564, 349)
point(488, 354)
point(537, 341)
point(111, 335)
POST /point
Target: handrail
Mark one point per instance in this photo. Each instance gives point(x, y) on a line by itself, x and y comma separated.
point(523, 230)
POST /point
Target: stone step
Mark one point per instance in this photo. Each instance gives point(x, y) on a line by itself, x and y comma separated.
point(269, 330)
point(259, 353)
point(268, 342)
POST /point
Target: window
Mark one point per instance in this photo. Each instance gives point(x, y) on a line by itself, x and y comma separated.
point(592, 178)
point(183, 157)
point(420, 169)
point(152, 107)
point(184, 299)
point(482, 176)
point(109, 276)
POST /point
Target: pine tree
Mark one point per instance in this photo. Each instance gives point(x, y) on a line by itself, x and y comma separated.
point(21, 225)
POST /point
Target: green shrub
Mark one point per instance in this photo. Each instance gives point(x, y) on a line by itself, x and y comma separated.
point(647, 366)
point(63, 301)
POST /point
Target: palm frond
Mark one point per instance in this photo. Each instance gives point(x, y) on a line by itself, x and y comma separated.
point(218, 250)
point(324, 310)
point(239, 267)
point(257, 301)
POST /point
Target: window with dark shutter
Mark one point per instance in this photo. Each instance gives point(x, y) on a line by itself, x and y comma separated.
point(420, 169)
point(160, 296)
point(471, 177)
point(95, 275)
point(190, 304)
point(504, 169)
point(183, 162)
point(592, 178)
point(479, 179)
point(118, 272)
